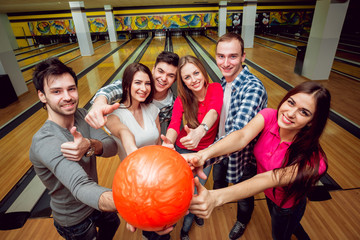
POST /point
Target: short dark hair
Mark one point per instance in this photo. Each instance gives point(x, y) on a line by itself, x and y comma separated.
point(168, 57)
point(227, 37)
point(47, 68)
point(128, 78)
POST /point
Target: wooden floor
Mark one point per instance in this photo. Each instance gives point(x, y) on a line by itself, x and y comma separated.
point(337, 218)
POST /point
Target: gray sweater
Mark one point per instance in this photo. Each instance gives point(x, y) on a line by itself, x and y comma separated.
point(72, 185)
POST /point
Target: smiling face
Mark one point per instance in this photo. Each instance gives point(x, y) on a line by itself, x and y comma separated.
point(164, 75)
point(229, 58)
point(192, 77)
point(60, 95)
point(296, 112)
point(140, 87)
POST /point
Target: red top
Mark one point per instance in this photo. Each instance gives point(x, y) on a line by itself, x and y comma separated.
point(213, 100)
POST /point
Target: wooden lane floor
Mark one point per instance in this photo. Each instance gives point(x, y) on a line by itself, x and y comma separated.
point(30, 97)
point(15, 145)
point(342, 148)
point(39, 51)
point(46, 55)
point(342, 53)
point(35, 50)
point(181, 47)
point(321, 221)
point(156, 46)
point(27, 74)
point(352, 69)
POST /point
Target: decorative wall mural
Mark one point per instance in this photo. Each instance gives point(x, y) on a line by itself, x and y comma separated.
point(291, 18)
point(97, 24)
point(57, 27)
point(166, 21)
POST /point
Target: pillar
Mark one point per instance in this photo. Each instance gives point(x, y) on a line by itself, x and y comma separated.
point(222, 18)
point(9, 32)
point(324, 37)
point(82, 28)
point(9, 64)
point(248, 23)
point(110, 23)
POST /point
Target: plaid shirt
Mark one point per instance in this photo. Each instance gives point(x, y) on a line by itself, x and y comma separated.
point(248, 97)
point(113, 92)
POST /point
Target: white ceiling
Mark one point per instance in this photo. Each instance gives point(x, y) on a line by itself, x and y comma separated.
point(13, 6)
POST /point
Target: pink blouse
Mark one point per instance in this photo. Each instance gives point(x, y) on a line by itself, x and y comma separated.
point(269, 152)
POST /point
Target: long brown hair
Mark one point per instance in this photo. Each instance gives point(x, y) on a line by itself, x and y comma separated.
point(305, 150)
point(188, 99)
point(128, 78)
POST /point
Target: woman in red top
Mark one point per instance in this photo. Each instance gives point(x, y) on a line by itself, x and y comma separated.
point(199, 105)
point(289, 159)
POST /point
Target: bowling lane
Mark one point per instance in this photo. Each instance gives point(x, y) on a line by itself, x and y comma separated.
point(15, 145)
point(344, 170)
point(27, 74)
point(181, 47)
point(46, 55)
point(35, 50)
point(156, 46)
point(344, 67)
point(29, 98)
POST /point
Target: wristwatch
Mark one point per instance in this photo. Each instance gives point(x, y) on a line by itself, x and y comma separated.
point(205, 127)
point(91, 150)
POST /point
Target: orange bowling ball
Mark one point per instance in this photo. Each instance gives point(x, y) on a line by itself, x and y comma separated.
point(153, 187)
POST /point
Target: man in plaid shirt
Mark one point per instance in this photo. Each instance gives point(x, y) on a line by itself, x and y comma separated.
point(164, 73)
point(244, 97)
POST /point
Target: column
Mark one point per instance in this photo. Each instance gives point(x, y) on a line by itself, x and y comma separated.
point(248, 23)
point(222, 18)
point(110, 23)
point(9, 32)
point(8, 63)
point(82, 28)
point(324, 37)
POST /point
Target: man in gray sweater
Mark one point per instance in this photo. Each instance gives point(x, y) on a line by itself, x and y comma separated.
point(64, 152)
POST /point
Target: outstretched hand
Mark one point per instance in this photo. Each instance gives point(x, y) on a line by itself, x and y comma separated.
point(96, 117)
point(196, 163)
point(167, 142)
point(75, 150)
point(203, 203)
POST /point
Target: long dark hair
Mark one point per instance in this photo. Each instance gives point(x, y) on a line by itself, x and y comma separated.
point(188, 99)
point(128, 78)
point(305, 150)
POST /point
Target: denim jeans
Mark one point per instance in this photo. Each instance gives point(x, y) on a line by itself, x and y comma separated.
point(188, 219)
point(286, 221)
point(107, 222)
point(245, 207)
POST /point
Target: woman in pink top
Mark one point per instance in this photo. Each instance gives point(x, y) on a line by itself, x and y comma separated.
point(289, 159)
point(199, 105)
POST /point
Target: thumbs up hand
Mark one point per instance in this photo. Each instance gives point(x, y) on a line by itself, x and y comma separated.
point(203, 203)
point(193, 137)
point(75, 150)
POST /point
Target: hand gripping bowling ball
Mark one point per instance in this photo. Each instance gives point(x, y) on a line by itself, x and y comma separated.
point(153, 187)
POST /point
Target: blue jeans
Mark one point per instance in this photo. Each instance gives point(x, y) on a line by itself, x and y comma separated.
point(245, 207)
point(107, 222)
point(188, 219)
point(286, 221)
